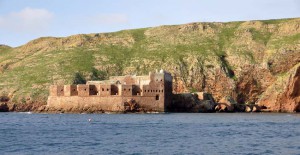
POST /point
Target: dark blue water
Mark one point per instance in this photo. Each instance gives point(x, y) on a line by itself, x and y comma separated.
point(217, 133)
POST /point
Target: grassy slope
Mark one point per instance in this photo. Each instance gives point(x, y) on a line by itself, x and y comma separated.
point(153, 48)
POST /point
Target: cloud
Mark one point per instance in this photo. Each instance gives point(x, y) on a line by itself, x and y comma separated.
point(110, 19)
point(26, 20)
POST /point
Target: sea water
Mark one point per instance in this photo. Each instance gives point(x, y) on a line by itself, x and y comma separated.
point(169, 133)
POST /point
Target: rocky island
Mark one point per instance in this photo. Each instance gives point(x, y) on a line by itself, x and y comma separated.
point(253, 65)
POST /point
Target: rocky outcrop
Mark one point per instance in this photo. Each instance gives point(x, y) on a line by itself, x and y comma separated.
point(193, 102)
point(226, 104)
point(284, 94)
point(184, 102)
point(206, 106)
point(203, 102)
point(24, 107)
point(253, 80)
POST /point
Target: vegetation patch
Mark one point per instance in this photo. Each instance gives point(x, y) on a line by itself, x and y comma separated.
point(262, 37)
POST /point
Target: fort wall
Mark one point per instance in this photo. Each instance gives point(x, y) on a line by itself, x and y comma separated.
point(110, 104)
point(150, 93)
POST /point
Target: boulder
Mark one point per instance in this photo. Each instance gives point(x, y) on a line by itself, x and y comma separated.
point(256, 108)
point(226, 104)
point(248, 108)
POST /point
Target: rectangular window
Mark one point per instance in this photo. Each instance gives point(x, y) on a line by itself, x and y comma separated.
point(157, 97)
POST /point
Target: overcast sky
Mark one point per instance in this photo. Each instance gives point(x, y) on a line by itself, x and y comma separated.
point(24, 20)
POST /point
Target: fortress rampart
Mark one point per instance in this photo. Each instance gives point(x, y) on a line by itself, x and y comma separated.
point(118, 94)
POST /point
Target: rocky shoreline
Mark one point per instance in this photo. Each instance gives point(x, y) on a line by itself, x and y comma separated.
point(182, 103)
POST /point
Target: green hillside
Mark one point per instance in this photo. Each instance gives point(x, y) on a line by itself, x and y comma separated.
point(236, 58)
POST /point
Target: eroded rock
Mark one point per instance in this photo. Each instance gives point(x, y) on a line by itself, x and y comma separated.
point(226, 104)
point(284, 94)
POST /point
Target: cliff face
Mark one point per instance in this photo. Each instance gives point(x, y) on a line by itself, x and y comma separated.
point(284, 94)
point(239, 59)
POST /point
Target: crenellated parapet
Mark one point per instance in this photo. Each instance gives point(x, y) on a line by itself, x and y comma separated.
point(157, 82)
point(70, 90)
point(56, 90)
point(104, 89)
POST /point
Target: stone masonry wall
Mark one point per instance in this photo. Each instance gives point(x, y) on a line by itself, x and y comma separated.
point(128, 90)
point(110, 104)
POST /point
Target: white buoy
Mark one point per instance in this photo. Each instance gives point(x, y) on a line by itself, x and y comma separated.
point(90, 119)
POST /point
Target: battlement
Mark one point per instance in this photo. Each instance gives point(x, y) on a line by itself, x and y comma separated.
point(151, 85)
point(85, 90)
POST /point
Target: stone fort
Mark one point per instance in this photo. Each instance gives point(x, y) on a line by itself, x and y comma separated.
point(118, 94)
